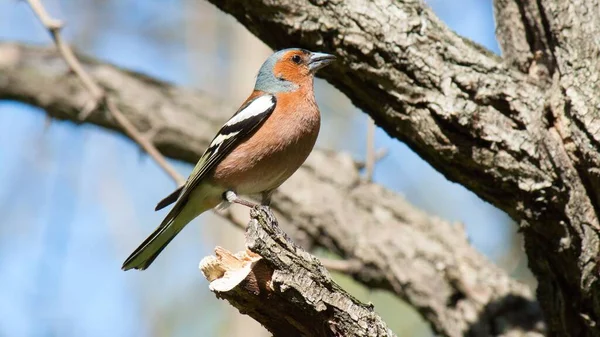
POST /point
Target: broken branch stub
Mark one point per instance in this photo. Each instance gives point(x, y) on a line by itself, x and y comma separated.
point(285, 288)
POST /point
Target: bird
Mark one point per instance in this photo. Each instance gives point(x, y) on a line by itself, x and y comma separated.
point(255, 151)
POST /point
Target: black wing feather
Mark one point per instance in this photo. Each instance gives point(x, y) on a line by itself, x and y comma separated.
point(169, 199)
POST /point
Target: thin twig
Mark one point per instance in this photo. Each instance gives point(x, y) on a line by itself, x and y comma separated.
point(54, 26)
point(379, 154)
point(98, 94)
point(370, 155)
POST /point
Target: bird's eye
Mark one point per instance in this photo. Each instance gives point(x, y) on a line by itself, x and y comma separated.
point(296, 59)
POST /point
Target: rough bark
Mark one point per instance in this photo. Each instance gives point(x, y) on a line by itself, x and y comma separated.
point(572, 111)
point(523, 38)
point(392, 245)
point(285, 288)
point(524, 142)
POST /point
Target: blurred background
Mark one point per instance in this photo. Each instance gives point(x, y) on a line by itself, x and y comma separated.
point(76, 200)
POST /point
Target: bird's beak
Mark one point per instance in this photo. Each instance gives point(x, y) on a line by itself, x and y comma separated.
point(319, 60)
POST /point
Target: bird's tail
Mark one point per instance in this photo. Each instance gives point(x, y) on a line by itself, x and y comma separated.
point(148, 251)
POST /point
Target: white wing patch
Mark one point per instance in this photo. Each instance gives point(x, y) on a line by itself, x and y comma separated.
point(220, 139)
point(258, 106)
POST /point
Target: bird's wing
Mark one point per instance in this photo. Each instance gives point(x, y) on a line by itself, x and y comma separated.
point(242, 124)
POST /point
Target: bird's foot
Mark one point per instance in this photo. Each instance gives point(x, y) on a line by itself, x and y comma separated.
point(231, 196)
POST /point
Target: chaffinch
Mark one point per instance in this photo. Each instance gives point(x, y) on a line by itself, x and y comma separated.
point(255, 151)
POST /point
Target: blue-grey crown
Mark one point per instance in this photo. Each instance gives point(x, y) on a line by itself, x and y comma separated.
point(266, 80)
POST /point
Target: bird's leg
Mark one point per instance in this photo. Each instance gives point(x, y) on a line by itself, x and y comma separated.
point(266, 198)
point(231, 196)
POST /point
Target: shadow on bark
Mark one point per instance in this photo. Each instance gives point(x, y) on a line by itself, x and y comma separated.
point(510, 313)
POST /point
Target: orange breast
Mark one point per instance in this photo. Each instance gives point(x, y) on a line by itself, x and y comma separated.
point(275, 151)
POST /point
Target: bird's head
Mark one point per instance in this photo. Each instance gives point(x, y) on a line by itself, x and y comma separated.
point(290, 69)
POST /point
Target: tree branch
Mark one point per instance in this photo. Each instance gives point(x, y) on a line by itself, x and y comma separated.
point(524, 38)
point(395, 247)
point(370, 153)
point(530, 148)
point(428, 262)
point(285, 288)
